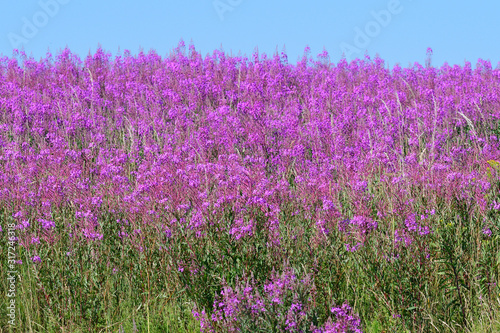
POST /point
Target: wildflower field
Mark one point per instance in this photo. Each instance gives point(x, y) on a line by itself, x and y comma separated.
point(227, 194)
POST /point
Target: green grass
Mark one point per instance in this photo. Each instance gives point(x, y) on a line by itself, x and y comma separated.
point(440, 283)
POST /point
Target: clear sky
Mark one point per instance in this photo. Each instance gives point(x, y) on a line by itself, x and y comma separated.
point(400, 31)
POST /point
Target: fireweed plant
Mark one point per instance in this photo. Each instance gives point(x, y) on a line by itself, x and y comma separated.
point(226, 194)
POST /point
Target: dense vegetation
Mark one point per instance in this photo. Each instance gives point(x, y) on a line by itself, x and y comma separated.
point(221, 193)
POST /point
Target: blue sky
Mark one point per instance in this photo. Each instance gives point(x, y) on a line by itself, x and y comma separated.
point(400, 31)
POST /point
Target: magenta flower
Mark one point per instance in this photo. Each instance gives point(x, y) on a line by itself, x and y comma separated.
point(36, 259)
point(46, 224)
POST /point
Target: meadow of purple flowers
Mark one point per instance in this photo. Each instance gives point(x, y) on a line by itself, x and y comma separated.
point(227, 194)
